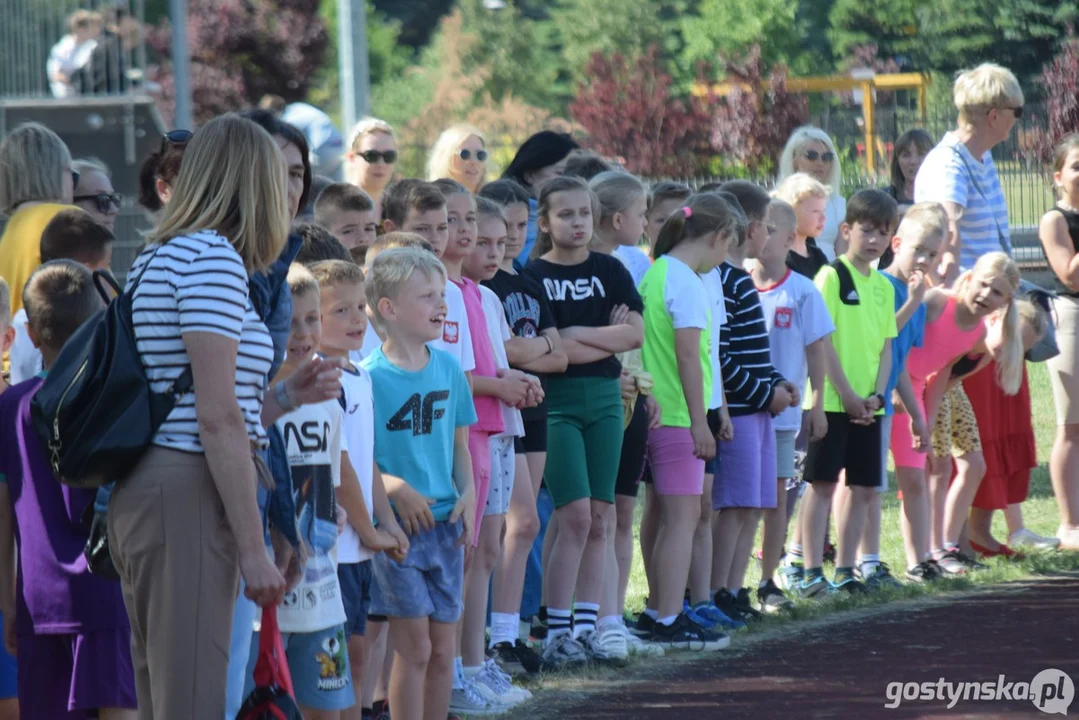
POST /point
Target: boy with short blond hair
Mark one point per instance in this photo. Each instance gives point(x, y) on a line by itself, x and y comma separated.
point(348, 213)
point(423, 408)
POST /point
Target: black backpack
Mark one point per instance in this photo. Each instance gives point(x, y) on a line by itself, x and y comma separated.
point(95, 413)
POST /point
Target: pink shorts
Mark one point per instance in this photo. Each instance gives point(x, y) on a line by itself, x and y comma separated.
point(902, 443)
point(675, 469)
point(479, 447)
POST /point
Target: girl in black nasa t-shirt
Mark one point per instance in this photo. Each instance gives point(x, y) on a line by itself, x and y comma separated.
point(598, 314)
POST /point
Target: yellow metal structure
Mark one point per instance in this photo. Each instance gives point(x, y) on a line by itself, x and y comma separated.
point(847, 83)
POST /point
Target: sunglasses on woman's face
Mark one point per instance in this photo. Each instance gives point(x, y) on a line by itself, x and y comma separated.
point(373, 156)
point(813, 156)
point(103, 201)
point(175, 137)
point(466, 154)
point(75, 175)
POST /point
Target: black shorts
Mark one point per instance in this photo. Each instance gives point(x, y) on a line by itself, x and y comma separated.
point(850, 447)
point(535, 439)
point(711, 467)
point(634, 449)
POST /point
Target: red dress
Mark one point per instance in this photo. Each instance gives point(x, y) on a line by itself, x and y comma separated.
point(1007, 432)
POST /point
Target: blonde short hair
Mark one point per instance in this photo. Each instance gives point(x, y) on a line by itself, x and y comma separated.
point(33, 160)
point(440, 160)
point(367, 126)
point(987, 86)
point(91, 164)
point(389, 272)
point(800, 186)
point(301, 281)
point(331, 273)
point(923, 220)
point(782, 210)
point(797, 142)
point(232, 181)
point(5, 305)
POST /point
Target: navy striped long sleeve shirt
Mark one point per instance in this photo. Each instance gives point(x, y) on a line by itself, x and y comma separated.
point(744, 353)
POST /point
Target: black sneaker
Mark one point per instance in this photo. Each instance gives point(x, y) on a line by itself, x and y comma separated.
point(728, 603)
point(644, 625)
point(772, 600)
point(538, 630)
point(683, 634)
point(515, 658)
point(852, 586)
point(744, 607)
point(923, 572)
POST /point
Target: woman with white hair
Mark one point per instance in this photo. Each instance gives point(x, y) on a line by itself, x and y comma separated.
point(372, 152)
point(811, 151)
point(959, 173)
point(459, 153)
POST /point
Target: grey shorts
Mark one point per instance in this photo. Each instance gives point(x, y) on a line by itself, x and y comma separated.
point(886, 438)
point(503, 470)
point(785, 453)
point(429, 581)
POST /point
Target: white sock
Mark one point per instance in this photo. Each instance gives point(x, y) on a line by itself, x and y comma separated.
point(471, 672)
point(611, 621)
point(667, 621)
point(869, 563)
point(651, 613)
point(504, 628)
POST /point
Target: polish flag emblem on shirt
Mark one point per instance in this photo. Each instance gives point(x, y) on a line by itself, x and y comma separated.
point(783, 317)
point(449, 332)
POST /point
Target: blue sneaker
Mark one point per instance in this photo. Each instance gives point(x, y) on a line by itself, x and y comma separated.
point(790, 575)
point(816, 589)
point(709, 611)
point(694, 617)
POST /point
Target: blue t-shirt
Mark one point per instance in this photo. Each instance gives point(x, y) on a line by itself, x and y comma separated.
point(416, 416)
point(910, 336)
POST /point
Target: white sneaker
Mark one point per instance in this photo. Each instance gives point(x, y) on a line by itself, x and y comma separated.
point(1069, 538)
point(470, 700)
point(641, 648)
point(494, 678)
point(1028, 539)
point(607, 645)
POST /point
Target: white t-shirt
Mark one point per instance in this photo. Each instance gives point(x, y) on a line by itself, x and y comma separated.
point(635, 260)
point(24, 357)
point(456, 336)
point(358, 430)
point(797, 317)
point(313, 442)
point(498, 330)
point(198, 283)
point(713, 284)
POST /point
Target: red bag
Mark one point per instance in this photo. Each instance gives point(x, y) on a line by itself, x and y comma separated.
point(273, 697)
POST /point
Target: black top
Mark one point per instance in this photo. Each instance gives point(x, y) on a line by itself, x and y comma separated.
point(527, 313)
point(808, 266)
point(1072, 218)
point(584, 295)
point(965, 365)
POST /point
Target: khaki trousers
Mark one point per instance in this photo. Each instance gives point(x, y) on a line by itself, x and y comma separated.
point(178, 566)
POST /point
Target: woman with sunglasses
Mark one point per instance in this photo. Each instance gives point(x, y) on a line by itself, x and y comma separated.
point(811, 151)
point(372, 152)
point(36, 182)
point(459, 153)
point(94, 192)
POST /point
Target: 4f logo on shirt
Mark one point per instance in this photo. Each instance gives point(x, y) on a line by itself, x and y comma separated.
point(418, 413)
point(311, 436)
point(450, 332)
point(783, 317)
point(579, 289)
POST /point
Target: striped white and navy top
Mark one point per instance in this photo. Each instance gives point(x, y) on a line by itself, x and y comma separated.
point(951, 174)
point(745, 357)
point(197, 283)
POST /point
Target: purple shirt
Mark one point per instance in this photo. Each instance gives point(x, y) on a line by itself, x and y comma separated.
point(56, 594)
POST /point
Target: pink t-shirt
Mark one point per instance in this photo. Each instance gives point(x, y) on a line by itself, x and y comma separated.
point(488, 409)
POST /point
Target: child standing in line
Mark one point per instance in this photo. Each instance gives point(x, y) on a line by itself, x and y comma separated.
point(423, 407)
point(677, 325)
point(535, 348)
point(663, 199)
point(862, 305)
point(798, 330)
point(344, 323)
point(745, 480)
point(348, 213)
point(68, 629)
point(809, 198)
point(598, 313)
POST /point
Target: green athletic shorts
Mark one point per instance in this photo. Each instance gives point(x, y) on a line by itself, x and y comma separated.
point(584, 438)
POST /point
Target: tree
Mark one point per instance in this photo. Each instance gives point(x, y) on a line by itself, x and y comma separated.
point(752, 123)
point(628, 111)
point(1060, 81)
point(242, 50)
point(730, 27)
point(890, 25)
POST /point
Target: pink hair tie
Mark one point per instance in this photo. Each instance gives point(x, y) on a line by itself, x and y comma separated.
point(687, 211)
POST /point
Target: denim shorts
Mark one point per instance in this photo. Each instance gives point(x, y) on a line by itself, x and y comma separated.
point(355, 580)
point(429, 581)
point(318, 662)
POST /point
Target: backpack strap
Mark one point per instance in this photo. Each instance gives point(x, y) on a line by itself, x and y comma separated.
point(848, 293)
point(185, 383)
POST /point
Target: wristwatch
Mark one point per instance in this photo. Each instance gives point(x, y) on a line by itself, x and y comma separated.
point(880, 396)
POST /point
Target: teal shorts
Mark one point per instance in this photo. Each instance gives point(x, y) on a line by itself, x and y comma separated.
point(584, 438)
